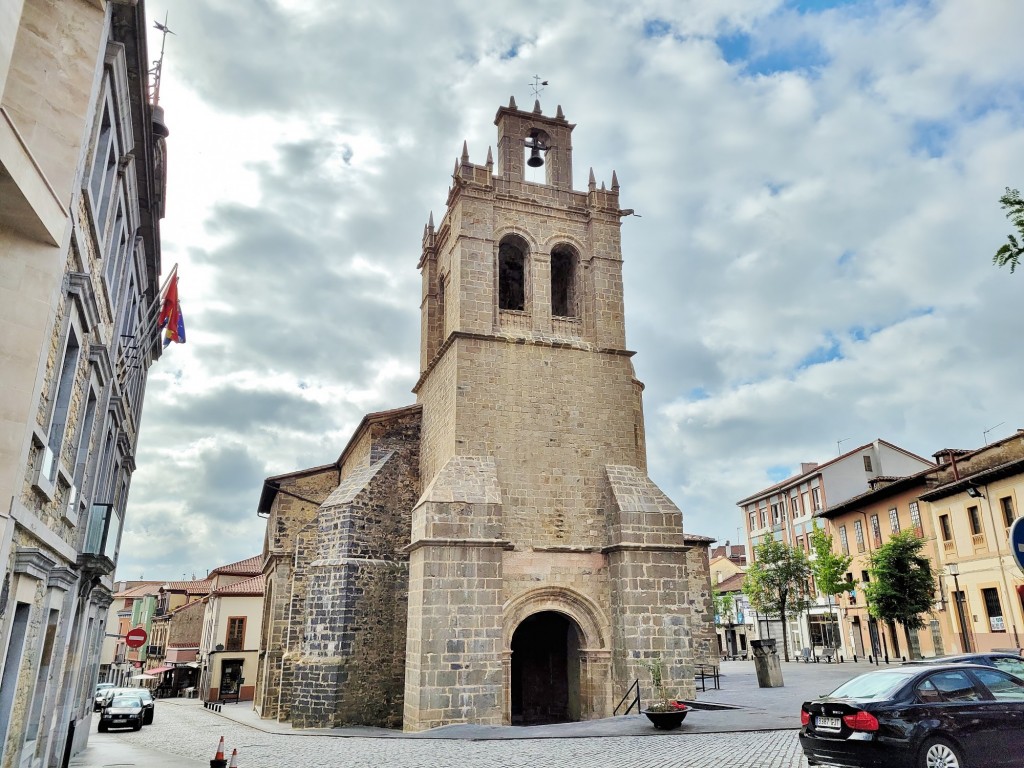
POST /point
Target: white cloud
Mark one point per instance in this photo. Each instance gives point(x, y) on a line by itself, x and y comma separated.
point(811, 264)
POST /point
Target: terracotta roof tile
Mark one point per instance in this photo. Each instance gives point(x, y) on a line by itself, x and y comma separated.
point(248, 567)
point(253, 586)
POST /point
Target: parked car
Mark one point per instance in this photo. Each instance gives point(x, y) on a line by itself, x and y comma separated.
point(97, 699)
point(922, 715)
point(122, 711)
point(148, 704)
point(1008, 662)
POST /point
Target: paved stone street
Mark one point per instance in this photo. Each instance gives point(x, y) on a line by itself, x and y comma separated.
point(761, 732)
point(192, 733)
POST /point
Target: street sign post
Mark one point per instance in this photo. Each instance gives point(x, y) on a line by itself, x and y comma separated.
point(1017, 541)
point(136, 638)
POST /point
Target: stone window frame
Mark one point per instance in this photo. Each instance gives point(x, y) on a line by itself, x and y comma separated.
point(525, 247)
point(573, 294)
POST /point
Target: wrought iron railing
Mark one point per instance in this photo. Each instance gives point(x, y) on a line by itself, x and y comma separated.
point(634, 689)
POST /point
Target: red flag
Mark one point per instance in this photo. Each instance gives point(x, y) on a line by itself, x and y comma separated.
point(170, 306)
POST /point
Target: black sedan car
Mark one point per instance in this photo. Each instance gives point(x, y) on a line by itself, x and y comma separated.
point(1008, 662)
point(122, 711)
point(148, 704)
point(926, 716)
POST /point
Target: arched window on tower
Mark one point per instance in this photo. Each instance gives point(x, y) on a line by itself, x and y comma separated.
point(512, 274)
point(564, 299)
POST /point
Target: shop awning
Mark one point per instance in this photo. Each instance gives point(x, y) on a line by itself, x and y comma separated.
point(158, 670)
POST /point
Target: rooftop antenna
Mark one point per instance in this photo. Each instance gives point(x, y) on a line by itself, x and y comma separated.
point(839, 443)
point(984, 434)
point(537, 86)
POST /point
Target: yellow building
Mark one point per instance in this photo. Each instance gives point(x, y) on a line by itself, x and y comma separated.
point(859, 526)
point(976, 499)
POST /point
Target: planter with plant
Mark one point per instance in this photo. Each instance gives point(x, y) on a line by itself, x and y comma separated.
point(665, 714)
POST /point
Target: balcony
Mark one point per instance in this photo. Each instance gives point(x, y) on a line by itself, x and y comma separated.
point(949, 546)
point(99, 549)
point(978, 540)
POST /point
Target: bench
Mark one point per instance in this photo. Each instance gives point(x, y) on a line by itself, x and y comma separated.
point(827, 654)
point(806, 656)
point(735, 657)
point(704, 672)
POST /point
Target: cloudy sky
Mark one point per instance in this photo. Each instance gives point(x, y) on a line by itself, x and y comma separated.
point(818, 184)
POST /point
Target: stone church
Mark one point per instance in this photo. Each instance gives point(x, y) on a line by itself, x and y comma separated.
point(494, 553)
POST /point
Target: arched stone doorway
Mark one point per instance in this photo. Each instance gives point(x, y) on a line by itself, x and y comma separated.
point(545, 680)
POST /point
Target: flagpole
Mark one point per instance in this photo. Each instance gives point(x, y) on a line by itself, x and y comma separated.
point(149, 317)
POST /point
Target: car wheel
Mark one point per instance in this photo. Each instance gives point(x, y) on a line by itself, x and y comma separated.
point(148, 718)
point(137, 727)
point(940, 753)
point(101, 728)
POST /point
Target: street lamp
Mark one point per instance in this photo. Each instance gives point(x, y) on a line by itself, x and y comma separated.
point(954, 570)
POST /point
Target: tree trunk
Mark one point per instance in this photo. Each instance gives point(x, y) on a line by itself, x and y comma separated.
point(785, 632)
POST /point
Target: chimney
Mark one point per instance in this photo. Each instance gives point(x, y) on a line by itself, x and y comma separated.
point(807, 466)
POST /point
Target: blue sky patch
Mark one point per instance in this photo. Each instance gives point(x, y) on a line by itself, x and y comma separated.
point(739, 49)
point(845, 258)
point(697, 393)
point(778, 473)
point(817, 6)
point(823, 354)
point(863, 333)
point(654, 28)
point(931, 137)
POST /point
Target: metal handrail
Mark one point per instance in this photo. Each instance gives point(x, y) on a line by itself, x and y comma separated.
point(635, 702)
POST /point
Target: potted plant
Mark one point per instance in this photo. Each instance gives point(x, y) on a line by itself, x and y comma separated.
point(664, 714)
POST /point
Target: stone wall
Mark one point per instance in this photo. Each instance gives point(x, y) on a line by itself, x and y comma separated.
point(352, 664)
point(291, 528)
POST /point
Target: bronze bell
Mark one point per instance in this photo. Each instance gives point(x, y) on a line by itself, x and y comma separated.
point(535, 161)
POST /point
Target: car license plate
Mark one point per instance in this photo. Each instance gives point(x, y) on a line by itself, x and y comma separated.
point(828, 723)
point(123, 720)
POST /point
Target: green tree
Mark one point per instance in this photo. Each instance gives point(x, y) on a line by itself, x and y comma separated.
point(776, 583)
point(1011, 252)
point(829, 571)
point(902, 586)
point(723, 606)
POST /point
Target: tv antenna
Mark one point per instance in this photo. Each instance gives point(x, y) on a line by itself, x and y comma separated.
point(537, 86)
point(839, 443)
point(984, 434)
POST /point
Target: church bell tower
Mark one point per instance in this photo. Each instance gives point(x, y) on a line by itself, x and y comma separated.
point(545, 565)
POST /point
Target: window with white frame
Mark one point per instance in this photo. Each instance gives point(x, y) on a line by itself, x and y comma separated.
point(915, 519)
point(858, 533)
point(894, 520)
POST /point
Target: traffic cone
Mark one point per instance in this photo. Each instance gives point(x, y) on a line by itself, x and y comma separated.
point(218, 759)
point(234, 759)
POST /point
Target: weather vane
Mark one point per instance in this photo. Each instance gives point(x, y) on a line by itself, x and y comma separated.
point(537, 86)
point(158, 65)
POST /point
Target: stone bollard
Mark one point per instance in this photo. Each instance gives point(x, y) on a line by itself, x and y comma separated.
point(766, 664)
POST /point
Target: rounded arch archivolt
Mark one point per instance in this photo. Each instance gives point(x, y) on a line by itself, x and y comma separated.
point(564, 239)
point(591, 621)
point(502, 232)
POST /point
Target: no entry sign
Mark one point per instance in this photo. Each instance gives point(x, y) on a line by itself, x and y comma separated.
point(136, 638)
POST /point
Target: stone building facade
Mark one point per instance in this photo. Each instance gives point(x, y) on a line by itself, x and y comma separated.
point(81, 198)
point(531, 562)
